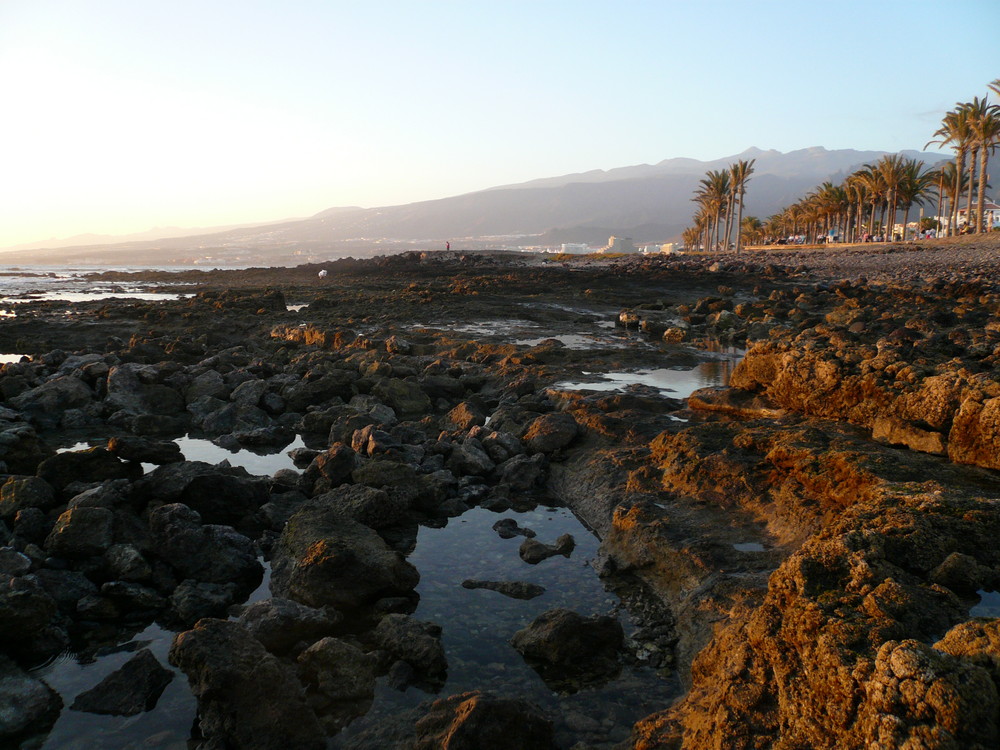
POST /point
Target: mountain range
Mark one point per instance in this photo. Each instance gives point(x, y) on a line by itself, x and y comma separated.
point(648, 202)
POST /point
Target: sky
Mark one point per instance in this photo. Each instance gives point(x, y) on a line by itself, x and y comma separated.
point(117, 116)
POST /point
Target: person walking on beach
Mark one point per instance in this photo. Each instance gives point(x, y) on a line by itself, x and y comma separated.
point(447, 246)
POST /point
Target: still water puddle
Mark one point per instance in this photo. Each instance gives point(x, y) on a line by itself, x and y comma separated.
point(477, 625)
point(679, 383)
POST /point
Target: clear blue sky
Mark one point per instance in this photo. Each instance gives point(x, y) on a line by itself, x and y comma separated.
point(121, 115)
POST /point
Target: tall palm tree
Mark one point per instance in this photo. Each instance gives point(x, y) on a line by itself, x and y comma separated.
point(984, 122)
point(740, 175)
point(915, 187)
point(955, 131)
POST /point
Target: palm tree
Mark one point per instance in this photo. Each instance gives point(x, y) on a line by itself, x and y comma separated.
point(915, 187)
point(751, 230)
point(984, 123)
point(712, 197)
point(955, 131)
point(740, 175)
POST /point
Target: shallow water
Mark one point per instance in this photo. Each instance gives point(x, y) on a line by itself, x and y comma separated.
point(676, 383)
point(476, 627)
point(989, 604)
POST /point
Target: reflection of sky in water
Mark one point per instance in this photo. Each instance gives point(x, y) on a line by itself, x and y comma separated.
point(989, 605)
point(673, 383)
point(5, 358)
point(200, 449)
point(92, 296)
point(477, 624)
point(585, 341)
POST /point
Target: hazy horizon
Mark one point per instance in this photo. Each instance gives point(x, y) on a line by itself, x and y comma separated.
point(123, 116)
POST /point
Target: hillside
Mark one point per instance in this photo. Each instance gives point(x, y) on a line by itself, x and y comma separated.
point(650, 203)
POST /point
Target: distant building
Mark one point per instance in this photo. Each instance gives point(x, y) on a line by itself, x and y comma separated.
point(619, 245)
point(575, 248)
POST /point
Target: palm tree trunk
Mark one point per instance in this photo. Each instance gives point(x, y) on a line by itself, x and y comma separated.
point(968, 200)
point(981, 196)
point(739, 223)
point(957, 194)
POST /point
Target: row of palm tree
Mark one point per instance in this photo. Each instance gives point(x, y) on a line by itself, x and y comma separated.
point(869, 200)
point(720, 199)
point(972, 129)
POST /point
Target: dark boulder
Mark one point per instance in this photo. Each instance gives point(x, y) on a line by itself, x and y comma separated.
point(247, 698)
point(569, 650)
point(323, 558)
point(91, 465)
point(132, 689)
point(472, 721)
point(282, 624)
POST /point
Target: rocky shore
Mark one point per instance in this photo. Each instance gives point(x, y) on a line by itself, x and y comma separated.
point(804, 549)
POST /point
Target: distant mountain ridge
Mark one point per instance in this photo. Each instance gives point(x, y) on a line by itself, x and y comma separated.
point(648, 202)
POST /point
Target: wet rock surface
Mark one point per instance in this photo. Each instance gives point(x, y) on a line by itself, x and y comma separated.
point(811, 538)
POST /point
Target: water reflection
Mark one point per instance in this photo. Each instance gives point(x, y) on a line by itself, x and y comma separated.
point(676, 383)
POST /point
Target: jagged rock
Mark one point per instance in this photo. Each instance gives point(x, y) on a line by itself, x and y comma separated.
point(469, 458)
point(26, 609)
point(45, 404)
point(335, 385)
point(416, 642)
point(570, 650)
point(25, 702)
point(340, 679)
point(92, 465)
point(551, 432)
point(470, 721)
point(372, 507)
point(467, 414)
point(522, 473)
point(209, 383)
point(206, 553)
point(132, 689)
point(193, 600)
point(18, 493)
point(533, 552)
point(406, 398)
point(133, 448)
point(13, 563)
point(513, 589)
point(126, 563)
point(282, 624)
point(82, 532)
point(323, 558)
point(219, 495)
point(246, 697)
point(331, 468)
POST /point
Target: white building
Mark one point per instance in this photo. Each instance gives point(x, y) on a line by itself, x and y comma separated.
point(575, 248)
point(619, 245)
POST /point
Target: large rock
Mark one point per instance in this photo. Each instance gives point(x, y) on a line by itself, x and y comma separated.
point(91, 465)
point(46, 404)
point(133, 688)
point(134, 448)
point(340, 679)
point(218, 494)
point(569, 650)
point(472, 721)
point(247, 698)
point(128, 392)
point(550, 432)
point(18, 493)
point(415, 642)
point(25, 702)
point(319, 391)
point(406, 397)
point(206, 553)
point(26, 610)
point(323, 558)
point(82, 532)
point(282, 624)
point(372, 507)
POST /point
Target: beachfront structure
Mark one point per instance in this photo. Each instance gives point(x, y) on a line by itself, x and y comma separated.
point(991, 210)
point(575, 248)
point(619, 245)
